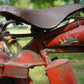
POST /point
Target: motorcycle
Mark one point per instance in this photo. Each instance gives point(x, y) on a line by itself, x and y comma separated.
point(48, 37)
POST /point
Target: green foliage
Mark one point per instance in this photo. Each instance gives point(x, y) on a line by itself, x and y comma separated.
point(38, 3)
point(22, 3)
point(68, 1)
point(46, 3)
point(82, 2)
point(12, 2)
point(2, 3)
point(82, 14)
point(50, 3)
point(17, 3)
point(57, 3)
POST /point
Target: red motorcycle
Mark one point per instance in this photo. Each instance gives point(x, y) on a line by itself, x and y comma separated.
point(48, 37)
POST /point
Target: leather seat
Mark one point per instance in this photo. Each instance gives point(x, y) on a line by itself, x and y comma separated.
point(41, 18)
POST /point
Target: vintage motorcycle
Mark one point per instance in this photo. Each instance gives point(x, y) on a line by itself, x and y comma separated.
point(48, 37)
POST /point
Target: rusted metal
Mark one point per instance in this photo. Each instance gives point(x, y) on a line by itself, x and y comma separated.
point(63, 29)
point(26, 56)
point(18, 66)
point(15, 71)
point(71, 40)
point(41, 18)
point(3, 58)
point(65, 38)
point(35, 52)
point(45, 54)
point(65, 49)
point(60, 72)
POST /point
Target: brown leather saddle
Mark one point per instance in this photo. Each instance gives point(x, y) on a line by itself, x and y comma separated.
point(41, 18)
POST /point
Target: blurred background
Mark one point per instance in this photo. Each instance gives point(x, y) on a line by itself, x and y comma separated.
point(34, 4)
point(38, 73)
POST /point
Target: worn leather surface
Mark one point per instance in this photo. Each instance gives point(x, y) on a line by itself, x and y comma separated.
point(41, 18)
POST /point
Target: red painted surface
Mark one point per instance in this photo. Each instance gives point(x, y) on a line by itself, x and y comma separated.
point(3, 58)
point(60, 72)
point(64, 29)
point(15, 71)
point(36, 55)
point(37, 45)
point(19, 65)
point(25, 56)
point(75, 33)
point(28, 57)
point(73, 25)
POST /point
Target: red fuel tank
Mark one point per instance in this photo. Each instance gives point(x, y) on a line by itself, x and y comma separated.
point(60, 72)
